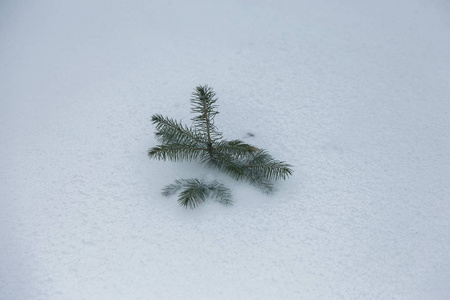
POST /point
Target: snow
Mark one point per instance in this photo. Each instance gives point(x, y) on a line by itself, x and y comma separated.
point(354, 94)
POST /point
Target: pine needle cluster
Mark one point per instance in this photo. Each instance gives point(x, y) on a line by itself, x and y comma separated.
point(195, 192)
point(204, 143)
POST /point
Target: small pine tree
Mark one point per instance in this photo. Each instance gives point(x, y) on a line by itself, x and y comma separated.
point(205, 144)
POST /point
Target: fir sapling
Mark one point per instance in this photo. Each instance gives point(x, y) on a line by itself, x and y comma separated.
point(204, 143)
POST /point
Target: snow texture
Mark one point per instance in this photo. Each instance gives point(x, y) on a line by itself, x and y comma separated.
point(354, 94)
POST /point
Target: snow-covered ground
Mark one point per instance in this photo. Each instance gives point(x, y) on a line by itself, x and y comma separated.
point(354, 94)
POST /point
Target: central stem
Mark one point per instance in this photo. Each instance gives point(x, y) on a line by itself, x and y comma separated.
point(209, 144)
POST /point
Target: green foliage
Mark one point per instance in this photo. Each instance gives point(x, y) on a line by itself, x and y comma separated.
point(204, 143)
point(195, 192)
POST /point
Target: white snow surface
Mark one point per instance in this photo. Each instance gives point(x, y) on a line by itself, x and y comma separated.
point(354, 94)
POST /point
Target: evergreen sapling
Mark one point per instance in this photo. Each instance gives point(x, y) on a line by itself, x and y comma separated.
point(205, 144)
